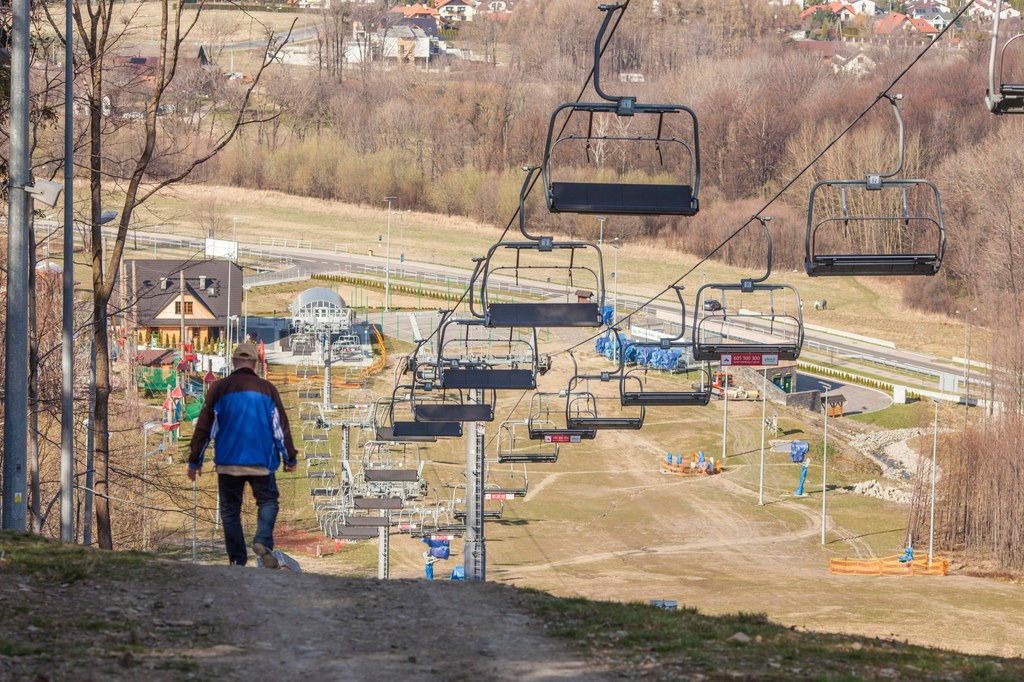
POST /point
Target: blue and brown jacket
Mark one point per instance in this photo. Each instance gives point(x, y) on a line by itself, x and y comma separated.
point(244, 415)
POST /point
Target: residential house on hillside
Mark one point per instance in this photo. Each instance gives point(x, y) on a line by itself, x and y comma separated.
point(456, 10)
point(843, 57)
point(410, 11)
point(845, 12)
point(212, 293)
point(496, 7)
point(986, 10)
point(900, 25)
point(864, 7)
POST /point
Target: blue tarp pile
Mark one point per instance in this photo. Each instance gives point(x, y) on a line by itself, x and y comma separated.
point(658, 358)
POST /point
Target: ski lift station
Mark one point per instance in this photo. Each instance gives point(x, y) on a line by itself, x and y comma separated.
point(320, 309)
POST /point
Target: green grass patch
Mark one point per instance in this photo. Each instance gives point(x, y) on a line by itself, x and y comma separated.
point(898, 416)
point(683, 643)
point(60, 563)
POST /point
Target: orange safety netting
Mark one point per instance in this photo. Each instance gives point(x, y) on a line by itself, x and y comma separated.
point(890, 565)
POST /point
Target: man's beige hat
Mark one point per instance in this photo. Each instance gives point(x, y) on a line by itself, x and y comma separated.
point(246, 351)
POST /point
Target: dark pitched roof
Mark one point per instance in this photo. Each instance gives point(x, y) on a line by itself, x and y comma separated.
point(426, 24)
point(146, 277)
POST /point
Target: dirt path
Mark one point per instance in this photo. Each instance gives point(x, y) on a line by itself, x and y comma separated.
point(229, 623)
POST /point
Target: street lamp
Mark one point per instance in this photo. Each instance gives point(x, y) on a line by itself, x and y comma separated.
point(824, 463)
point(935, 449)
point(387, 261)
point(600, 234)
point(705, 277)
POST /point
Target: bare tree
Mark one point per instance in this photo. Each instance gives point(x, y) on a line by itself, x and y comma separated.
point(150, 162)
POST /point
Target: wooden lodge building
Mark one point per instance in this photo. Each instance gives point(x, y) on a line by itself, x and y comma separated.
point(197, 294)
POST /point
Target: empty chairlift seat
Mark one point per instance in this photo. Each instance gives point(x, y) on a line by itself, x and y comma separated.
point(756, 323)
point(617, 156)
point(876, 225)
point(575, 267)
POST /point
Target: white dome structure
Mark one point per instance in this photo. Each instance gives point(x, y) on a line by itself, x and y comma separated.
point(320, 308)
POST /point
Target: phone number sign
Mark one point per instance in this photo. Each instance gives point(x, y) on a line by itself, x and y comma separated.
point(749, 359)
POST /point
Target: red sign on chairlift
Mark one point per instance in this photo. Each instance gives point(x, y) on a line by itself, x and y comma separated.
point(561, 438)
point(440, 537)
point(749, 359)
point(499, 496)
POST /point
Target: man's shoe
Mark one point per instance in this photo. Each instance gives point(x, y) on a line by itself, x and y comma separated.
point(267, 558)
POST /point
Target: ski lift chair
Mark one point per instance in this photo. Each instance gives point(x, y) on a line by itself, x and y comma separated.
point(876, 225)
point(511, 452)
point(409, 427)
point(1004, 96)
point(652, 141)
point(634, 391)
point(383, 427)
point(772, 325)
point(540, 425)
point(579, 263)
point(586, 410)
point(469, 358)
point(510, 483)
point(759, 319)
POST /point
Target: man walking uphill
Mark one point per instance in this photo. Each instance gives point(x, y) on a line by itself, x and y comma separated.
point(244, 415)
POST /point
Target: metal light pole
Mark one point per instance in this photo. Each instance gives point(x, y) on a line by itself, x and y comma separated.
point(824, 464)
point(935, 449)
point(13, 506)
point(764, 407)
point(387, 261)
point(600, 234)
point(67, 362)
point(726, 383)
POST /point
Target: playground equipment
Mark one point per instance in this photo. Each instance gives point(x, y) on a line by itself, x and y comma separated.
point(876, 225)
point(1005, 96)
point(620, 141)
point(575, 265)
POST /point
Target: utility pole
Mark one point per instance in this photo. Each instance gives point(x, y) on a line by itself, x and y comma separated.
point(824, 465)
point(13, 510)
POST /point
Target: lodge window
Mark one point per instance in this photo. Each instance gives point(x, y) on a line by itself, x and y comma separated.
point(188, 307)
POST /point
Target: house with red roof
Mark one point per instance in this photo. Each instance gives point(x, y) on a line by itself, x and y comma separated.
point(845, 12)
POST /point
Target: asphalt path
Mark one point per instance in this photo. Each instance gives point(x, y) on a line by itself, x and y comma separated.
point(859, 399)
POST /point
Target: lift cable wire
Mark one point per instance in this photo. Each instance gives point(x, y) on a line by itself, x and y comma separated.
point(758, 214)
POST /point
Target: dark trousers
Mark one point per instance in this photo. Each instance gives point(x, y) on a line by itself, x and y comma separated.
point(264, 489)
